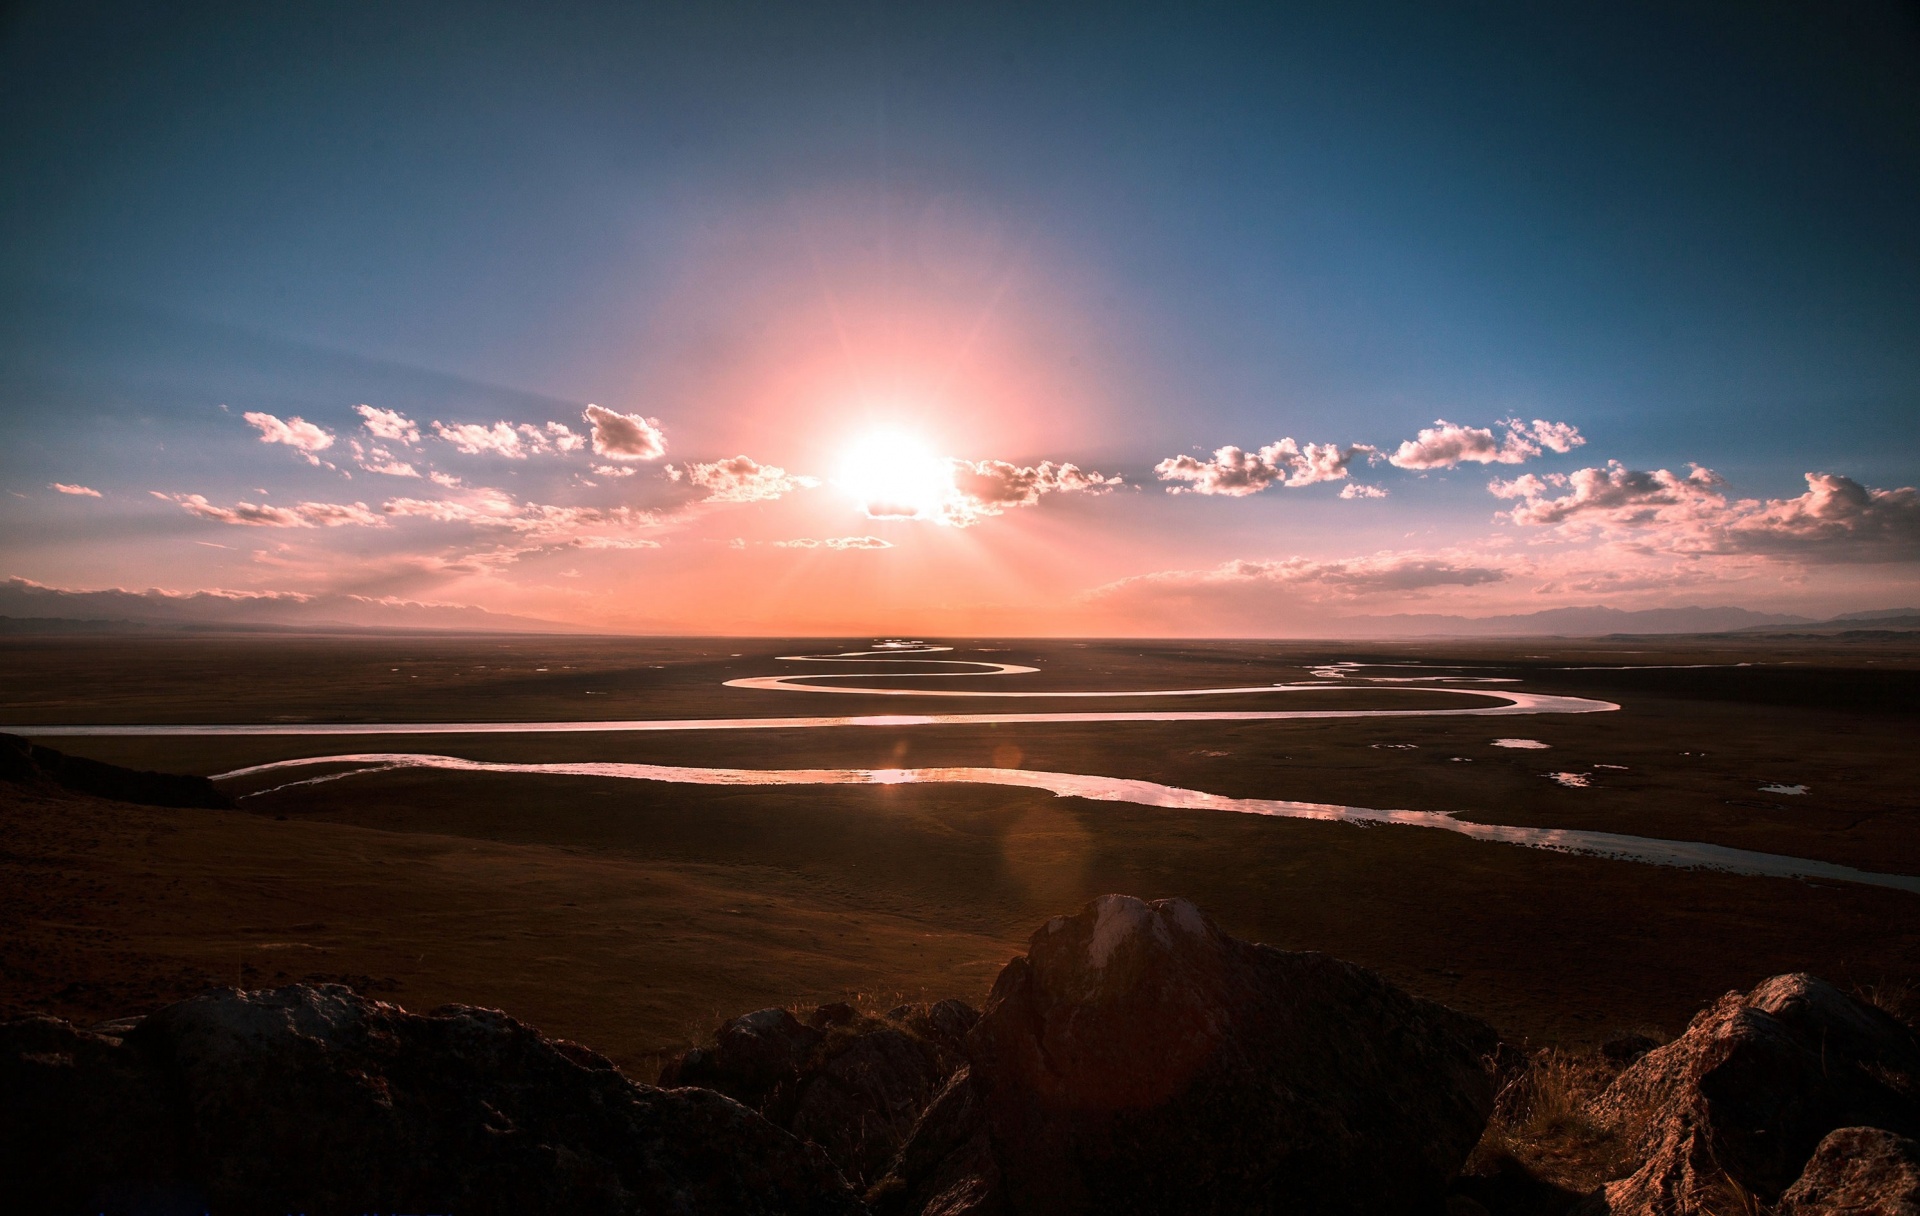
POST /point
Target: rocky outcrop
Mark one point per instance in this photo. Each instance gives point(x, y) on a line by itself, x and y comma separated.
point(853, 1084)
point(1858, 1171)
point(1135, 1059)
point(1139, 1059)
point(1749, 1092)
point(312, 1099)
point(28, 763)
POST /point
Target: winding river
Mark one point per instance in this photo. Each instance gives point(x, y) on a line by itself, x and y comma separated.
point(1504, 702)
point(1683, 853)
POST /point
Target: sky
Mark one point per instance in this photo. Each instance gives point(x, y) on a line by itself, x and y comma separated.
point(1027, 319)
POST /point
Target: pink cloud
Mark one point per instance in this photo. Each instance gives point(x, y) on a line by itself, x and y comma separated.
point(1837, 520)
point(515, 441)
point(834, 542)
point(1446, 444)
point(1381, 573)
point(296, 432)
point(376, 459)
point(611, 542)
point(625, 436)
point(388, 424)
point(562, 439)
point(487, 508)
point(990, 487)
point(1615, 495)
point(473, 439)
point(743, 479)
point(1354, 489)
point(302, 515)
point(82, 491)
point(960, 493)
point(1236, 472)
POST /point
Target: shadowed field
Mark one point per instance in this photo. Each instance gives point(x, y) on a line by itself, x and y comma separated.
point(629, 915)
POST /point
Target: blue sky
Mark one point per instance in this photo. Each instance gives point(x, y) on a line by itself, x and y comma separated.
point(1094, 235)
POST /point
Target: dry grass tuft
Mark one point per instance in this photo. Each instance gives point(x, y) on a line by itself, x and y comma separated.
point(1729, 1198)
point(1540, 1125)
point(1899, 998)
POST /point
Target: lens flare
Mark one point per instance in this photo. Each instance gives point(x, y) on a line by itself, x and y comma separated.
point(895, 476)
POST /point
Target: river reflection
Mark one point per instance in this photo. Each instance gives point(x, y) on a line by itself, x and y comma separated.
point(1648, 850)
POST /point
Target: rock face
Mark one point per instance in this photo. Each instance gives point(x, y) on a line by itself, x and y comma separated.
point(311, 1099)
point(1138, 1059)
point(853, 1085)
point(29, 763)
point(1858, 1171)
point(1751, 1089)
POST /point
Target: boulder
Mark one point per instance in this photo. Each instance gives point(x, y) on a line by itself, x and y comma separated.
point(853, 1084)
point(312, 1099)
point(1749, 1091)
point(751, 1054)
point(1139, 1059)
point(1858, 1171)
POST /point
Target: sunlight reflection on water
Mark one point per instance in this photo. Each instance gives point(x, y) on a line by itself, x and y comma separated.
point(1648, 850)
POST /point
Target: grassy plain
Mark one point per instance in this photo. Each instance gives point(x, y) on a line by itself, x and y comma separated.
point(633, 915)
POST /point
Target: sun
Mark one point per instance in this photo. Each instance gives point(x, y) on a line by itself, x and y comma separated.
point(895, 476)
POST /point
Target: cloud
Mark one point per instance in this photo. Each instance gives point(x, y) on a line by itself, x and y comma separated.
point(1354, 489)
point(625, 436)
point(960, 493)
point(1235, 472)
point(562, 439)
point(302, 515)
point(1615, 495)
point(515, 441)
point(488, 508)
point(1381, 572)
point(482, 508)
point(981, 488)
point(742, 479)
point(541, 523)
point(388, 424)
point(444, 479)
point(834, 542)
point(1445, 444)
point(614, 470)
point(376, 459)
point(82, 491)
point(1300, 579)
point(296, 432)
point(473, 439)
point(610, 542)
point(1837, 520)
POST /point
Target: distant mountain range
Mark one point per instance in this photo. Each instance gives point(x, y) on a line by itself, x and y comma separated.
point(1597, 621)
point(27, 606)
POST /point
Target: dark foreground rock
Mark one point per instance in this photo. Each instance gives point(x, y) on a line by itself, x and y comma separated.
point(1138, 1059)
point(1858, 1171)
point(311, 1099)
point(28, 763)
point(1740, 1102)
point(851, 1083)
